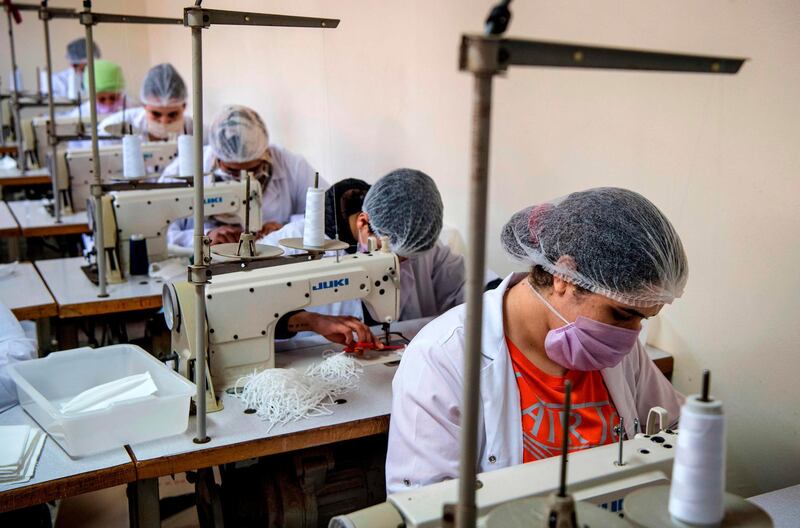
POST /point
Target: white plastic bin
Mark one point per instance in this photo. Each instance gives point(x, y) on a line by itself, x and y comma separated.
point(43, 384)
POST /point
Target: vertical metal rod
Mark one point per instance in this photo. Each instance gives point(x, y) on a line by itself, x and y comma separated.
point(52, 128)
point(466, 513)
point(245, 174)
point(199, 233)
point(706, 385)
point(97, 193)
point(562, 479)
point(16, 76)
point(620, 436)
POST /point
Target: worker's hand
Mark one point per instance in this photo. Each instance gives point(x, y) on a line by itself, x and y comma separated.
point(225, 234)
point(269, 227)
point(337, 329)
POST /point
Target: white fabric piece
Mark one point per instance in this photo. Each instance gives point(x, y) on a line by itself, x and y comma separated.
point(14, 347)
point(103, 396)
point(7, 270)
point(26, 453)
point(280, 396)
point(284, 196)
point(13, 439)
point(168, 269)
point(426, 398)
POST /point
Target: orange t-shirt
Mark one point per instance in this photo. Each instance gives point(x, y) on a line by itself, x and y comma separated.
point(542, 402)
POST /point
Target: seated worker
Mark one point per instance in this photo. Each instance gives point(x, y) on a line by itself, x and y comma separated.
point(239, 141)
point(67, 83)
point(162, 117)
point(405, 206)
point(600, 261)
point(14, 347)
point(109, 84)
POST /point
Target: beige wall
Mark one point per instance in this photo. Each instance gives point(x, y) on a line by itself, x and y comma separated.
point(718, 154)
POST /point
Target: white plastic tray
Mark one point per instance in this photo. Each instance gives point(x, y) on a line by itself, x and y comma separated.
point(43, 384)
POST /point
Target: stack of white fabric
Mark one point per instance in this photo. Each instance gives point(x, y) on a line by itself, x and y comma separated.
point(20, 447)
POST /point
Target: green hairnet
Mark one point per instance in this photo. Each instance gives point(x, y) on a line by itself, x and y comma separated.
point(107, 76)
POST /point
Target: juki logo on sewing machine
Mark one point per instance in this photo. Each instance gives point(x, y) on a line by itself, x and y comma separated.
point(335, 283)
point(213, 200)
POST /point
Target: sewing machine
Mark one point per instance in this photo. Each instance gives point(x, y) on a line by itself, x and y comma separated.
point(76, 170)
point(595, 477)
point(243, 307)
point(150, 212)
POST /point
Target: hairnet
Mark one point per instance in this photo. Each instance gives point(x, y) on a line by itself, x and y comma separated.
point(343, 199)
point(107, 76)
point(616, 243)
point(238, 135)
point(163, 86)
point(405, 205)
point(76, 51)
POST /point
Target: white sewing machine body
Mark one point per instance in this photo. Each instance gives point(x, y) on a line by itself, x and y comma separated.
point(243, 308)
point(76, 169)
point(150, 213)
point(593, 477)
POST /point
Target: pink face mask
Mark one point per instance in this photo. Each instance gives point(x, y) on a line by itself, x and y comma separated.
point(587, 344)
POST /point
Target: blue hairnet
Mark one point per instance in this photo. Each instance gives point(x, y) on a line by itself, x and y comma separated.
point(163, 86)
point(239, 135)
point(406, 206)
point(76, 51)
point(610, 241)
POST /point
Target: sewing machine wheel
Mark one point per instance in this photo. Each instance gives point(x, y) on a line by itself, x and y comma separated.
point(649, 507)
point(534, 512)
point(297, 243)
point(263, 251)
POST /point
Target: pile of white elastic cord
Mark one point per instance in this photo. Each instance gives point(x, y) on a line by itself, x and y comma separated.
point(280, 396)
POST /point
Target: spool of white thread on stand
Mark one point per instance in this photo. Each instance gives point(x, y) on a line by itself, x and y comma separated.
point(185, 155)
point(132, 157)
point(697, 494)
point(314, 228)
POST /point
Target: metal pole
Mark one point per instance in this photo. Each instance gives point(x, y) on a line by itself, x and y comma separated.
point(52, 129)
point(198, 277)
point(97, 191)
point(21, 161)
point(481, 118)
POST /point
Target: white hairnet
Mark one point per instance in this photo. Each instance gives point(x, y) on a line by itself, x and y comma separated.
point(406, 206)
point(76, 51)
point(610, 241)
point(163, 86)
point(238, 135)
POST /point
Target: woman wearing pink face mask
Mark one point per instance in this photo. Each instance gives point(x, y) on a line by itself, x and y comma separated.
point(109, 86)
point(599, 262)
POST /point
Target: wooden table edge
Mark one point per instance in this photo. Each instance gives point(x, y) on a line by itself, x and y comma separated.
point(36, 312)
point(214, 456)
point(10, 232)
point(56, 230)
point(67, 486)
point(108, 306)
point(19, 181)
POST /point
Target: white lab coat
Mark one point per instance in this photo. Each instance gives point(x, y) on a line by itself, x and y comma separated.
point(14, 347)
point(426, 398)
point(430, 283)
point(137, 118)
point(67, 83)
point(284, 196)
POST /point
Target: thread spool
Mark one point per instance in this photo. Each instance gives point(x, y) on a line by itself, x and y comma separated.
point(132, 157)
point(698, 476)
point(139, 263)
point(16, 80)
point(185, 155)
point(314, 229)
point(73, 87)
